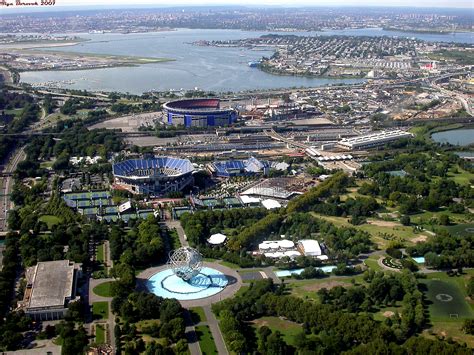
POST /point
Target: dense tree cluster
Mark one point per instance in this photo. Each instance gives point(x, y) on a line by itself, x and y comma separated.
point(444, 251)
point(141, 246)
point(200, 225)
point(338, 324)
point(138, 306)
point(333, 186)
point(72, 105)
point(426, 185)
point(251, 226)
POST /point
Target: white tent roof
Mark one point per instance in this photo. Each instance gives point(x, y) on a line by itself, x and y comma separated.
point(264, 246)
point(247, 199)
point(322, 257)
point(278, 254)
point(217, 239)
point(271, 204)
point(274, 245)
point(285, 243)
point(292, 253)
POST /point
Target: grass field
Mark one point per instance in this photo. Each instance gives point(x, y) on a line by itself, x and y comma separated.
point(382, 232)
point(230, 265)
point(446, 326)
point(462, 230)
point(447, 301)
point(104, 289)
point(307, 289)
point(99, 255)
point(99, 334)
point(50, 220)
point(206, 341)
point(372, 263)
point(461, 176)
point(287, 328)
point(100, 310)
point(197, 315)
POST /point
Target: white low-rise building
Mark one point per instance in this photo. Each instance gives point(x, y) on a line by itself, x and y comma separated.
point(309, 247)
point(372, 140)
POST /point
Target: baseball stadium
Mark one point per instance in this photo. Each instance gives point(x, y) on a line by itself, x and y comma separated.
point(154, 177)
point(199, 113)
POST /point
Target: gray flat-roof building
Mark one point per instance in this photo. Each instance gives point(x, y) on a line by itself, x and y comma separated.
point(51, 285)
point(373, 139)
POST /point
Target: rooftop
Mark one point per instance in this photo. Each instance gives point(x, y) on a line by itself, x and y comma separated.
point(51, 283)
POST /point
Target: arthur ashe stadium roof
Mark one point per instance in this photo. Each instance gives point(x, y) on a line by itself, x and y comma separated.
point(143, 168)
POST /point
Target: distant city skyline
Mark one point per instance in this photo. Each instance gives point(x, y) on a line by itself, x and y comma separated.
point(283, 3)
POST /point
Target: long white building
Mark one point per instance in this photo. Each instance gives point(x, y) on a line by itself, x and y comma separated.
point(372, 140)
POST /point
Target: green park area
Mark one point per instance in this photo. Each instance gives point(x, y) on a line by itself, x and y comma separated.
point(104, 289)
point(100, 310)
point(50, 220)
point(206, 341)
point(287, 328)
point(448, 305)
point(99, 334)
point(99, 255)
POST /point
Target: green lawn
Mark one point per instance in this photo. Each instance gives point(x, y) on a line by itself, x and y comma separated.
point(287, 328)
point(373, 264)
point(104, 289)
point(307, 289)
point(50, 220)
point(460, 176)
point(382, 234)
point(100, 257)
point(462, 230)
point(447, 301)
point(197, 315)
point(99, 334)
point(452, 327)
point(230, 265)
point(206, 341)
point(100, 310)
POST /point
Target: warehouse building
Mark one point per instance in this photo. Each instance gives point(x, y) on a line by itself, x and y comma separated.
point(373, 140)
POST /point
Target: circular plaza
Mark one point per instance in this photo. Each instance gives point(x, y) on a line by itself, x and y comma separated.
point(213, 283)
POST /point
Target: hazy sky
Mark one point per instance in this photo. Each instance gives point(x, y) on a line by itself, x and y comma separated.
point(409, 3)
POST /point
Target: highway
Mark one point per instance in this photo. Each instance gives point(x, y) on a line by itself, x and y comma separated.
point(7, 185)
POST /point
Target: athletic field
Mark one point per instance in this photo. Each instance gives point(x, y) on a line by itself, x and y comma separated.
point(446, 301)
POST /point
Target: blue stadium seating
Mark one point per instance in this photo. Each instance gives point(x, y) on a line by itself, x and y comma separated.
point(145, 167)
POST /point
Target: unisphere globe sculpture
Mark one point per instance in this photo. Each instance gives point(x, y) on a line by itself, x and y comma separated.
point(185, 262)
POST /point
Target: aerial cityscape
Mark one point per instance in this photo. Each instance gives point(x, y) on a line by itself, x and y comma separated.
point(226, 179)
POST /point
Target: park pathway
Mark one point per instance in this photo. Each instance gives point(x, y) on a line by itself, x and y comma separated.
point(213, 324)
point(177, 225)
point(110, 321)
point(191, 336)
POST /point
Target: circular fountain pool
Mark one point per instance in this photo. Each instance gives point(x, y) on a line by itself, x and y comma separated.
point(205, 284)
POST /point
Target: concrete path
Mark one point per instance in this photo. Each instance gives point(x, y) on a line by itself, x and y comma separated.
point(177, 225)
point(191, 336)
point(110, 321)
point(213, 324)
